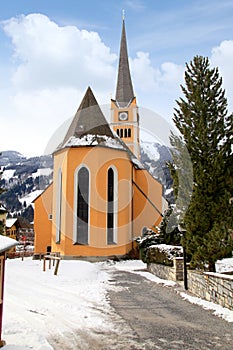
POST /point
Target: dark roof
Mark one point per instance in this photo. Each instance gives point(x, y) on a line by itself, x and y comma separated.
point(124, 90)
point(88, 120)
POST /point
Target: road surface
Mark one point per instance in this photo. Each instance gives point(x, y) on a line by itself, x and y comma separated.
point(160, 319)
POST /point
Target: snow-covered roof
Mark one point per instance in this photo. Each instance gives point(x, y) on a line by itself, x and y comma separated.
point(137, 163)
point(94, 140)
point(10, 222)
point(2, 208)
point(6, 243)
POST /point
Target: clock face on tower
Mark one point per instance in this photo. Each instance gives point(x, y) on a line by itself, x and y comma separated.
point(123, 116)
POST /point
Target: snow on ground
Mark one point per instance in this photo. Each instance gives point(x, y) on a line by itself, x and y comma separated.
point(29, 198)
point(218, 310)
point(42, 172)
point(42, 310)
point(39, 306)
point(137, 266)
point(224, 265)
point(8, 174)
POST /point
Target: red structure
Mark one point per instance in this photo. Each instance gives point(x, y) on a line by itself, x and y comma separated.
point(6, 243)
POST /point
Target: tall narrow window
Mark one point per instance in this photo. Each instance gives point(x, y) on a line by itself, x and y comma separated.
point(110, 214)
point(58, 206)
point(121, 133)
point(129, 132)
point(125, 133)
point(82, 214)
point(112, 206)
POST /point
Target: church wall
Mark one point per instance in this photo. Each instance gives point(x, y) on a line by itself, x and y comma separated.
point(145, 215)
point(42, 221)
point(98, 160)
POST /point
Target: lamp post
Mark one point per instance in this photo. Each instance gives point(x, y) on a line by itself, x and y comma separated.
point(182, 231)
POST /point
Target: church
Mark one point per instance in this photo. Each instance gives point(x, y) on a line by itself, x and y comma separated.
point(101, 197)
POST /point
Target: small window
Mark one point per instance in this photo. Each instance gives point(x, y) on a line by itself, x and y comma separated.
point(129, 132)
point(50, 216)
point(121, 132)
point(125, 133)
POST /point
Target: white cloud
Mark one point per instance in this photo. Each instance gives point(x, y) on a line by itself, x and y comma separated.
point(53, 66)
point(222, 57)
point(50, 55)
point(159, 87)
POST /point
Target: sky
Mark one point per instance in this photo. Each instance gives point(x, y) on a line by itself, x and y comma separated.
point(52, 50)
point(43, 319)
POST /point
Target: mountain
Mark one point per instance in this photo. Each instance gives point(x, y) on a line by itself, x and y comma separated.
point(8, 157)
point(25, 178)
point(154, 157)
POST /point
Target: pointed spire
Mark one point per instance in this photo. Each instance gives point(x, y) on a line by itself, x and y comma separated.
point(124, 90)
point(88, 119)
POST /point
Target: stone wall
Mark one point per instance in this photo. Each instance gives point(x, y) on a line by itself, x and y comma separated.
point(174, 273)
point(210, 286)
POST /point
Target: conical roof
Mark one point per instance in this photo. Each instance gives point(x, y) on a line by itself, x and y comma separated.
point(88, 120)
point(124, 90)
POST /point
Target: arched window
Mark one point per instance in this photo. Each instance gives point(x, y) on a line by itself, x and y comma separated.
point(58, 206)
point(112, 206)
point(118, 132)
point(121, 132)
point(125, 133)
point(129, 132)
point(82, 206)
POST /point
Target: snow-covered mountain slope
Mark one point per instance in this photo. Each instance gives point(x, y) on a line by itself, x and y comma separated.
point(154, 157)
point(24, 179)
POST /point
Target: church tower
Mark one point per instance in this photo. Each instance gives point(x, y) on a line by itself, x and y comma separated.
point(124, 110)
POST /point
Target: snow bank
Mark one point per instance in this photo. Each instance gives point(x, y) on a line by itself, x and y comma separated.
point(224, 265)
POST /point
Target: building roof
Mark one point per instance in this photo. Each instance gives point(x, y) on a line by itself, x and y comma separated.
point(124, 89)
point(10, 222)
point(2, 209)
point(6, 243)
point(88, 120)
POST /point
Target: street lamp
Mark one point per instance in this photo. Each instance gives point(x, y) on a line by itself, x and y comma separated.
point(182, 232)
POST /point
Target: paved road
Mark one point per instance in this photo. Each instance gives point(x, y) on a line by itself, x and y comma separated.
point(156, 317)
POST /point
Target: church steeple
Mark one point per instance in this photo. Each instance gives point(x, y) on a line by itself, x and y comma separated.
point(124, 90)
point(124, 110)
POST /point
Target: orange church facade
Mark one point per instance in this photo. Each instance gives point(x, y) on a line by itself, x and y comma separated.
point(101, 197)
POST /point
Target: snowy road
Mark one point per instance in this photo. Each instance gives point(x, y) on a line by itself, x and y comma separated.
point(79, 308)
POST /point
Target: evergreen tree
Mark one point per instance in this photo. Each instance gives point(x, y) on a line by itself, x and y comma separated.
point(202, 120)
point(169, 233)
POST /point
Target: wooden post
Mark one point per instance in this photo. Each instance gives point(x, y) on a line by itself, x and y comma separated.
point(2, 268)
point(50, 258)
point(44, 264)
point(56, 267)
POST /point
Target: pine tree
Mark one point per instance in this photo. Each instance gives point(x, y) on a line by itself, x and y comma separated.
point(201, 118)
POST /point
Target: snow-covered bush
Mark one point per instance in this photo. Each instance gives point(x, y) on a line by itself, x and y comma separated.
point(163, 254)
point(144, 242)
